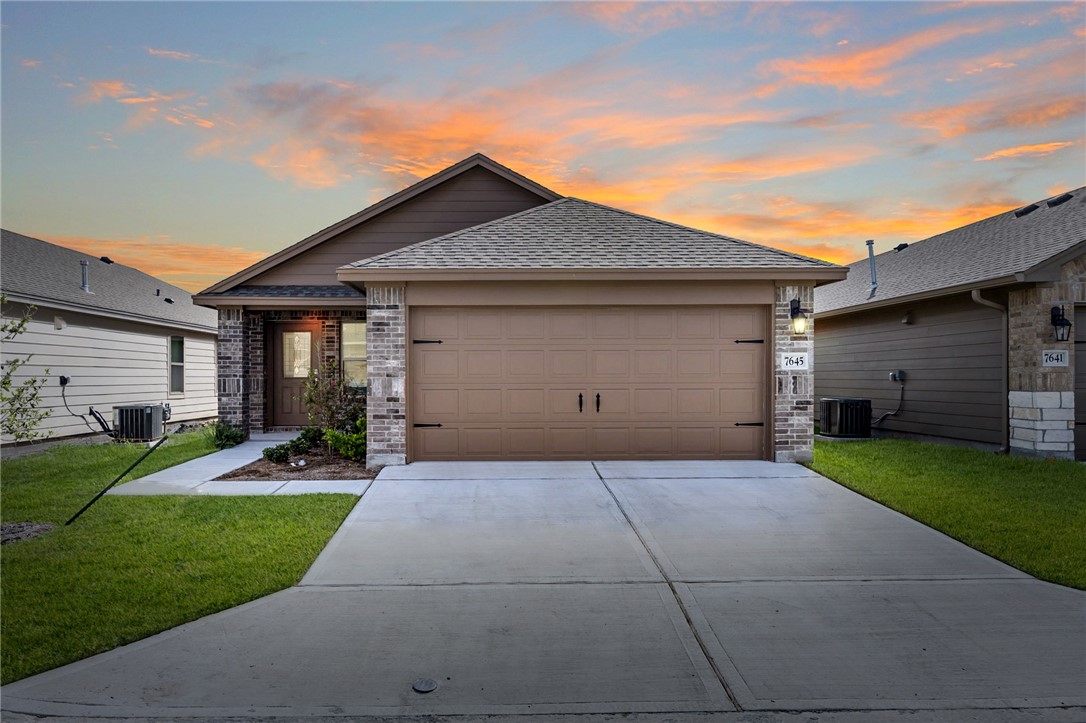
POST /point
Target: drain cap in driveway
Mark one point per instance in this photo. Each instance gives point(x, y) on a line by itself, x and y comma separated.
point(424, 685)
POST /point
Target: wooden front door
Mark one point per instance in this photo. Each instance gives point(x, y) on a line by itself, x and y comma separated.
point(293, 354)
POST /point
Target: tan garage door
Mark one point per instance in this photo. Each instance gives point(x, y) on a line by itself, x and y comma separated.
point(588, 383)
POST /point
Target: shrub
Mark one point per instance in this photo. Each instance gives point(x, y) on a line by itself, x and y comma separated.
point(279, 454)
point(19, 400)
point(329, 401)
point(312, 436)
point(297, 446)
point(351, 445)
point(223, 434)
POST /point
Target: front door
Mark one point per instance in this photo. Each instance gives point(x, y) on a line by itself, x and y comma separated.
point(293, 354)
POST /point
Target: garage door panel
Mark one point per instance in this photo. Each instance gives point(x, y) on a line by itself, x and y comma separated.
point(482, 441)
point(484, 325)
point(439, 364)
point(530, 363)
point(567, 364)
point(505, 383)
point(444, 325)
point(610, 363)
point(485, 403)
point(525, 403)
point(570, 325)
point(650, 325)
point(482, 364)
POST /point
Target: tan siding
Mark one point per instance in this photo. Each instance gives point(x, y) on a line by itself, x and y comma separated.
point(111, 362)
point(952, 357)
point(474, 197)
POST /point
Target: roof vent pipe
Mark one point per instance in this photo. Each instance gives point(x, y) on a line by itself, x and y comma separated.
point(86, 275)
point(871, 262)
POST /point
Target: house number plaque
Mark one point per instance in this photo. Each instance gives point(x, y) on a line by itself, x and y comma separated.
point(1054, 358)
point(794, 362)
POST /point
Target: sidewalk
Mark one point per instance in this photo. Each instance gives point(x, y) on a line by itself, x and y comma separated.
point(197, 476)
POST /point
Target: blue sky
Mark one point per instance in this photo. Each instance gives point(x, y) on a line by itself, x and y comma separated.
point(192, 139)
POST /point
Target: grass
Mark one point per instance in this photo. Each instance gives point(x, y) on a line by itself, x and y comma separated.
point(134, 566)
point(1029, 513)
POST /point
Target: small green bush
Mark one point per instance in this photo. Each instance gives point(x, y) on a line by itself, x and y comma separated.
point(330, 402)
point(279, 454)
point(351, 445)
point(297, 446)
point(223, 434)
point(312, 436)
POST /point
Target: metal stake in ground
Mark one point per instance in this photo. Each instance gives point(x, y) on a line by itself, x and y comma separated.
point(119, 478)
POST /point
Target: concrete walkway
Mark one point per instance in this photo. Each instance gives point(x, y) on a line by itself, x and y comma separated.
point(686, 591)
point(197, 476)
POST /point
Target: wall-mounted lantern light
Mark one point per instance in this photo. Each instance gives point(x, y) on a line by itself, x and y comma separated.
point(799, 319)
point(1060, 325)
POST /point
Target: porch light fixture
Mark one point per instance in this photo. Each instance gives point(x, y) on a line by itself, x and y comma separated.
point(799, 319)
point(1060, 325)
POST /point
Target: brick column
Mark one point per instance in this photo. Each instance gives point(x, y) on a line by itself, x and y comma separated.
point(793, 413)
point(386, 371)
point(1041, 400)
point(232, 363)
point(256, 378)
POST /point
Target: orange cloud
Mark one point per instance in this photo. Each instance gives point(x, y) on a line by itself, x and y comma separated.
point(307, 166)
point(182, 264)
point(863, 68)
point(1033, 150)
point(646, 17)
point(29, 63)
point(99, 90)
point(973, 116)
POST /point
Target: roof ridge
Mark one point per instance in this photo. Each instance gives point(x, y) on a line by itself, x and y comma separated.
point(712, 234)
point(421, 244)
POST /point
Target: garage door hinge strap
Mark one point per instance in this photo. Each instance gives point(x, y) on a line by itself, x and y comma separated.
point(750, 341)
point(427, 341)
point(750, 424)
point(426, 425)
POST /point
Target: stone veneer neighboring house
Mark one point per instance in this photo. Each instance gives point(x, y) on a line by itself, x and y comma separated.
point(486, 317)
point(967, 315)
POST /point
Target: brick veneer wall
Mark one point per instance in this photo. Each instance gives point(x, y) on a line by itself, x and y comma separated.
point(386, 347)
point(793, 414)
point(242, 357)
point(1041, 400)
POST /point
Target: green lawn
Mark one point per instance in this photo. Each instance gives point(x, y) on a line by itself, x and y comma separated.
point(1029, 513)
point(134, 566)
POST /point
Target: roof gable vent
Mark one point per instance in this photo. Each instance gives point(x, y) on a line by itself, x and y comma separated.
point(1026, 210)
point(1058, 200)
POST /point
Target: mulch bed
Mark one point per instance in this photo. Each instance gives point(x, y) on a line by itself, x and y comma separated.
point(318, 465)
point(16, 531)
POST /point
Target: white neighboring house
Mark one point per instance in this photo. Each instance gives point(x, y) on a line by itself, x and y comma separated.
point(119, 335)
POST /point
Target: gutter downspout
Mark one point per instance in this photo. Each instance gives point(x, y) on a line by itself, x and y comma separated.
point(1004, 422)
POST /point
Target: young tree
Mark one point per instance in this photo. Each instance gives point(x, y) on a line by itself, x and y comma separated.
point(19, 415)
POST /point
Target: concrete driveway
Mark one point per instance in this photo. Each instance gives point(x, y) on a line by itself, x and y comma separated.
point(697, 589)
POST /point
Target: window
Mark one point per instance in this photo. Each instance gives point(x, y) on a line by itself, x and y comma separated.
point(297, 354)
point(353, 354)
point(177, 364)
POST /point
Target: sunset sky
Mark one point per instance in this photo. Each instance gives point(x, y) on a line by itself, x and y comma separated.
point(192, 139)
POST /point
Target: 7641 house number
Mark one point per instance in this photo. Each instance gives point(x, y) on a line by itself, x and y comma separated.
point(1054, 358)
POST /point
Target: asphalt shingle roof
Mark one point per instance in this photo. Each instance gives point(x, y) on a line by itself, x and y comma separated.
point(313, 291)
point(991, 249)
point(45, 272)
point(574, 234)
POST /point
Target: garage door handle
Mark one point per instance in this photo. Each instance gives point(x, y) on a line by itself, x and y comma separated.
point(750, 341)
point(597, 404)
point(425, 425)
point(427, 341)
point(750, 424)
point(580, 402)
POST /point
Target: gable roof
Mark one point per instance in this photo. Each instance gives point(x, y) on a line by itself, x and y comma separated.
point(571, 234)
point(1016, 246)
point(44, 274)
point(475, 161)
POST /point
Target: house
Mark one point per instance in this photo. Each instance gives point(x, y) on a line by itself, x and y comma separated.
point(971, 316)
point(118, 335)
point(487, 317)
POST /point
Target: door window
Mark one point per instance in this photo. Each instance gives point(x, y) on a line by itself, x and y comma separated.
point(296, 354)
